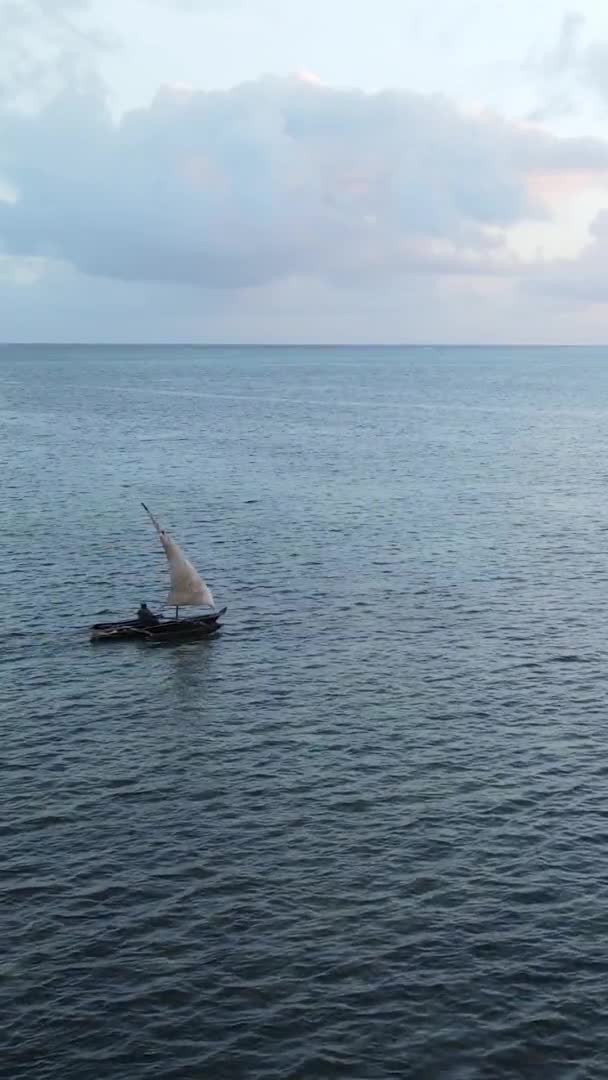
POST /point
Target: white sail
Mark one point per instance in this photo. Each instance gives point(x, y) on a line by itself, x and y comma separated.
point(187, 586)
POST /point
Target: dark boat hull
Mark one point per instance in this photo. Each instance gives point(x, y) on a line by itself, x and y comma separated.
point(201, 626)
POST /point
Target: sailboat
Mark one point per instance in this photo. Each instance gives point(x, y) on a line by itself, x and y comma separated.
point(187, 589)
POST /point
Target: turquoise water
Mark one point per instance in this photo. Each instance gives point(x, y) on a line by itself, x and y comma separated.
point(363, 833)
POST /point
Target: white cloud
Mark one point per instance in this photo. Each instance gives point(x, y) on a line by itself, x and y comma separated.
point(273, 179)
point(282, 207)
point(45, 45)
point(21, 271)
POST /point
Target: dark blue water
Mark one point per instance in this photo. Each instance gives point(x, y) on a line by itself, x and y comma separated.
point(364, 834)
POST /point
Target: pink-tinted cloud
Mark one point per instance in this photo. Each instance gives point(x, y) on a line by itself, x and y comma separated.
point(277, 178)
point(583, 279)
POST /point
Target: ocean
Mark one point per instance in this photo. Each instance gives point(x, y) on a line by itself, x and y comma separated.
point(363, 833)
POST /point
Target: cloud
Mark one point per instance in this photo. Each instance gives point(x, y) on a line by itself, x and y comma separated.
point(565, 53)
point(569, 70)
point(581, 280)
point(20, 271)
point(557, 71)
point(65, 305)
point(45, 45)
point(594, 69)
point(273, 179)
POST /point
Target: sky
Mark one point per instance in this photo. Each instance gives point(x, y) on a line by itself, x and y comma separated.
point(307, 171)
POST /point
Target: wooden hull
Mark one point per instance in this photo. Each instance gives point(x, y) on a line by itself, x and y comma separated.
point(201, 626)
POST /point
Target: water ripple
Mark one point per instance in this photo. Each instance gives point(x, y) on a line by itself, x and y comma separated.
point(363, 834)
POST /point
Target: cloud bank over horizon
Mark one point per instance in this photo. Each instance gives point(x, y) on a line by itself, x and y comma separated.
point(284, 208)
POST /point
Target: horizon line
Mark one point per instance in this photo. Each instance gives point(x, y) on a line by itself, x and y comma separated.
point(303, 345)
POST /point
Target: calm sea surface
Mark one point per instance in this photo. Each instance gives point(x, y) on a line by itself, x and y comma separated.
point(363, 834)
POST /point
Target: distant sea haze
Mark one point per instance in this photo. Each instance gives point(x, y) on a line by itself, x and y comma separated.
point(362, 833)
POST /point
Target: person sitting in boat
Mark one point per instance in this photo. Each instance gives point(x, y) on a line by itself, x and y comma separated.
point(145, 617)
